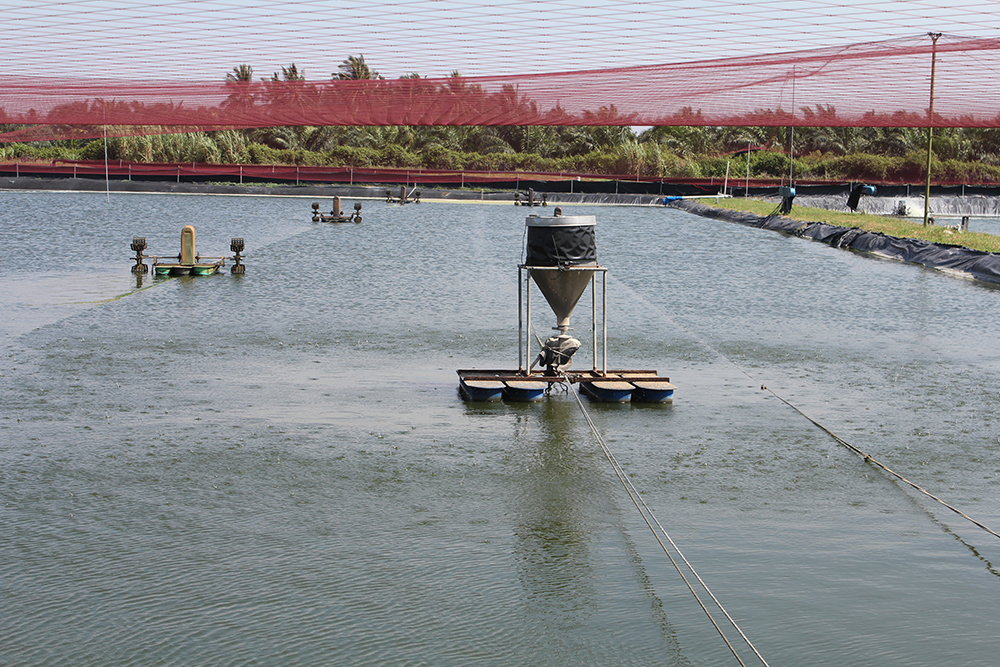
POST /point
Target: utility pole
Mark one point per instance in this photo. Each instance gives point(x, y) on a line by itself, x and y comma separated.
point(791, 137)
point(930, 126)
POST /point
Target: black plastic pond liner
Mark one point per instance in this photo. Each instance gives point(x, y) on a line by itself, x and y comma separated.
point(976, 264)
point(312, 190)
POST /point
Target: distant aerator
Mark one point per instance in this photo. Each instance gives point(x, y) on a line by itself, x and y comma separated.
point(188, 262)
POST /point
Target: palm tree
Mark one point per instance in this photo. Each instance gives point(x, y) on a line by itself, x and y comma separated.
point(684, 140)
point(240, 79)
point(982, 144)
point(733, 138)
point(896, 141)
point(290, 73)
point(240, 74)
point(355, 69)
point(288, 88)
point(283, 137)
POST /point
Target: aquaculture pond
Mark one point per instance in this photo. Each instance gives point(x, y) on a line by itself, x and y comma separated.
point(276, 468)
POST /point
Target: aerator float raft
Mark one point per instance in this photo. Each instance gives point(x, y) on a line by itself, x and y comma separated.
point(188, 262)
point(562, 262)
point(336, 215)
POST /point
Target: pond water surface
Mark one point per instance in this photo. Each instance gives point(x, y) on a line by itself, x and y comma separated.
point(276, 468)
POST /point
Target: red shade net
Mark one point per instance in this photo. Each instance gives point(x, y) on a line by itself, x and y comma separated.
point(874, 84)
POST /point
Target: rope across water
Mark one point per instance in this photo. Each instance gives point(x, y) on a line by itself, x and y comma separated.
point(661, 534)
point(867, 457)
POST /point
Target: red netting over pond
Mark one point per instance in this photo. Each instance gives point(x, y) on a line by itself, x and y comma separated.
point(876, 84)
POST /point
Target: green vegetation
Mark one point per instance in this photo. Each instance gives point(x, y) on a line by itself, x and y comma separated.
point(897, 227)
point(601, 151)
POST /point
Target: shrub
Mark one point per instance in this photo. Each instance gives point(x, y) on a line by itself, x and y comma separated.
point(93, 150)
point(766, 163)
point(675, 166)
point(592, 162)
point(862, 167)
point(439, 157)
point(715, 167)
point(352, 156)
point(261, 154)
point(967, 172)
point(33, 151)
point(395, 155)
point(814, 165)
point(301, 157)
point(913, 167)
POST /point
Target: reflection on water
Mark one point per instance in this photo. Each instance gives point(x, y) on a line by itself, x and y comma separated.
point(552, 546)
point(276, 468)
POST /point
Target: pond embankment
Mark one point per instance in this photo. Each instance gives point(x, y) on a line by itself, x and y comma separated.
point(954, 259)
point(315, 190)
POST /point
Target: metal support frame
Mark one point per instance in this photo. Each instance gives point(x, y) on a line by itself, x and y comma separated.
point(524, 313)
point(521, 356)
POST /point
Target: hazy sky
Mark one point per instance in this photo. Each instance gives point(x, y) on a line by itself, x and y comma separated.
point(204, 39)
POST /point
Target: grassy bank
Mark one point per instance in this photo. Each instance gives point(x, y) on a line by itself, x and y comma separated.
point(871, 223)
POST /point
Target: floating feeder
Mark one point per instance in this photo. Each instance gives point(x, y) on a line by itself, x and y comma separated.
point(188, 262)
point(561, 260)
point(336, 215)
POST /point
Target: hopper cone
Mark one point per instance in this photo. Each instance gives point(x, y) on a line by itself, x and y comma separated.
point(562, 289)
